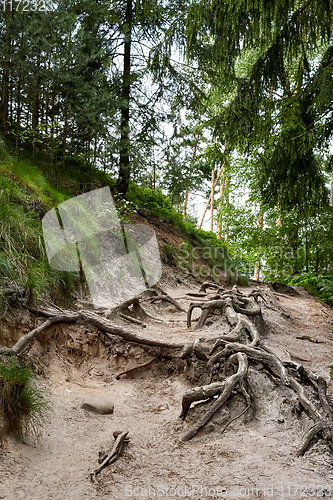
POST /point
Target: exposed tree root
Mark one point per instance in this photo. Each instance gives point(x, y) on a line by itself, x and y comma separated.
point(207, 285)
point(216, 355)
point(111, 457)
point(166, 298)
point(224, 392)
point(206, 308)
point(319, 427)
point(243, 343)
point(132, 320)
point(67, 317)
point(135, 368)
point(105, 325)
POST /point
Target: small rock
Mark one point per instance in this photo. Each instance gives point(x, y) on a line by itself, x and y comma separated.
point(97, 405)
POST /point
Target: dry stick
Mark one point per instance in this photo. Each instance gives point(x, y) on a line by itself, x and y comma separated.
point(111, 457)
point(136, 368)
point(306, 337)
point(229, 386)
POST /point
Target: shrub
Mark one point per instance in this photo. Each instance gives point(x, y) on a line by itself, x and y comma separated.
point(23, 406)
point(321, 286)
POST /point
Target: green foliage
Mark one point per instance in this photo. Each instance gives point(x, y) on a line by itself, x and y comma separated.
point(23, 404)
point(154, 202)
point(170, 254)
point(22, 255)
point(321, 286)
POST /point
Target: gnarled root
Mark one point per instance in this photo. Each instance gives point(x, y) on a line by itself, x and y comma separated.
point(112, 456)
point(206, 309)
point(224, 389)
point(320, 427)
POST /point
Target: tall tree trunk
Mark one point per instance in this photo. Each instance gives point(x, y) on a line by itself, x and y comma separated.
point(6, 72)
point(64, 137)
point(18, 113)
point(35, 105)
point(124, 167)
point(227, 182)
point(331, 192)
point(185, 204)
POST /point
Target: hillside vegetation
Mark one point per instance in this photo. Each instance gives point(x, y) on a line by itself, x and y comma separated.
point(27, 192)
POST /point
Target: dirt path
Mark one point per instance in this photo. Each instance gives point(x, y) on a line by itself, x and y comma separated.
point(249, 460)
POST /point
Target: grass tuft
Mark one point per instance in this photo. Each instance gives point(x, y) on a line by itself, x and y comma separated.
point(23, 405)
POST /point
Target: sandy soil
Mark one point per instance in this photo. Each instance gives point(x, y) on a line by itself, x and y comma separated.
point(251, 459)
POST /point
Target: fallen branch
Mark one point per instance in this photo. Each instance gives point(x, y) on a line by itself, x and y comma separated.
point(306, 337)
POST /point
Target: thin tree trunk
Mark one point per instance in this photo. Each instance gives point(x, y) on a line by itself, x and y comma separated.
point(226, 234)
point(95, 151)
point(185, 204)
point(6, 73)
point(122, 183)
point(187, 191)
point(216, 181)
point(35, 106)
point(212, 200)
point(18, 113)
point(331, 192)
point(64, 139)
point(258, 263)
point(219, 221)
